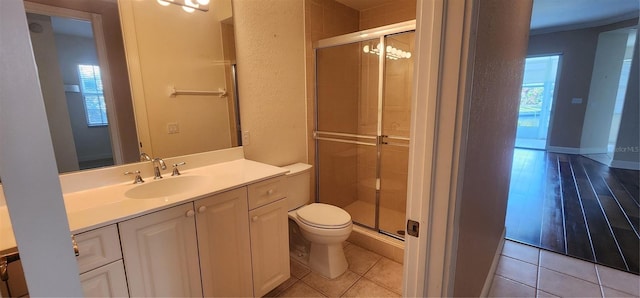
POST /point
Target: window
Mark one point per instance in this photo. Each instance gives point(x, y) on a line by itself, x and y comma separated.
point(91, 87)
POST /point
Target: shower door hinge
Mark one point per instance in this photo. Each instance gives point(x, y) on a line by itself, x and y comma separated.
point(413, 228)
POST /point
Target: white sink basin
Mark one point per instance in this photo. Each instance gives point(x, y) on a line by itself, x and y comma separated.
point(168, 186)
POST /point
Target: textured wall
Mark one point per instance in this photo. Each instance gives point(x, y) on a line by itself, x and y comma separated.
point(271, 79)
point(502, 35)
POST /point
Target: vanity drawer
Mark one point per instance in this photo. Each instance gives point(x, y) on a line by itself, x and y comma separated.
point(265, 192)
point(98, 247)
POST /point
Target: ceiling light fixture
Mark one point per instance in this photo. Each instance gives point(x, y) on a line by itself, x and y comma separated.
point(188, 5)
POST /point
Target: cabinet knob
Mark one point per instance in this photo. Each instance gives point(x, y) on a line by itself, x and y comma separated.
point(190, 213)
point(202, 209)
point(254, 218)
point(270, 192)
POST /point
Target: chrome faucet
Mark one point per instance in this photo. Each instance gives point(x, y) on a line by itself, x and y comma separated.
point(145, 157)
point(158, 164)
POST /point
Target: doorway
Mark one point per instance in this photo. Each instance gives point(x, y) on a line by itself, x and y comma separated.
point(536, 101)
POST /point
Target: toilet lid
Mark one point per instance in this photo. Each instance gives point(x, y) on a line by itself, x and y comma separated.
point(324, 216)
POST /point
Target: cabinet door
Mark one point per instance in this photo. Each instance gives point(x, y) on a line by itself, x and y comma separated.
point(223, 241)
point(269, 246)
point(106, 281)
point(160, 253)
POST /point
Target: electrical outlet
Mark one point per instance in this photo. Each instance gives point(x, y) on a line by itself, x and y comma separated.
point(173, 127)
point(246, 138)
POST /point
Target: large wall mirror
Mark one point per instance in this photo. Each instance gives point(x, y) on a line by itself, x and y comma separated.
point(123, 77)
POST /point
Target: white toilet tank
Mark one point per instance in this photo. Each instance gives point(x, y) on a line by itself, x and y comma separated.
point(298, 185)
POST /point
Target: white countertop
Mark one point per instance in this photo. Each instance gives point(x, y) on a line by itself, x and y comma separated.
point(98, 207)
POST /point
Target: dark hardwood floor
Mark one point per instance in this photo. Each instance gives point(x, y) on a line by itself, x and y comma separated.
point(575, 206)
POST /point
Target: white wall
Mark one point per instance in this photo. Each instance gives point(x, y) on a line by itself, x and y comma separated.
point(53, 92)
point(603, 90)
point(627, 153)
point(271, 79)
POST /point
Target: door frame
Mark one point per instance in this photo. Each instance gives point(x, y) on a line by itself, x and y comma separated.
point(445, 39)
point(555, 91)
point(101, 51)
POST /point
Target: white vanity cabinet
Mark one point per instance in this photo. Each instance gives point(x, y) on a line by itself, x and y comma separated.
point(100, 263)
point(232, 244)
point(160, 253)
point(223, 242)
point(269, 235)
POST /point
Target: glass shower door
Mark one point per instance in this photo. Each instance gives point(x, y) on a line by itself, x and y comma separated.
point(347, 128)
point(396, 121)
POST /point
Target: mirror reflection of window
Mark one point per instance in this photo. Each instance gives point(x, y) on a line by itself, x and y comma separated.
point(92, 94)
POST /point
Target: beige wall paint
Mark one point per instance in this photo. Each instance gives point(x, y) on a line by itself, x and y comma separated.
point(271, 79)
point(390, 13)
point(501, 46)
point(181, 49)
point(578, 49)
point(627, 147)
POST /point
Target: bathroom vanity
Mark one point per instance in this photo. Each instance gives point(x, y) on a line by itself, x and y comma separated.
point(219, 229)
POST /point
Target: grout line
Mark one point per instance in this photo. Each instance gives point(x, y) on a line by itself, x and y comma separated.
point(352, 285)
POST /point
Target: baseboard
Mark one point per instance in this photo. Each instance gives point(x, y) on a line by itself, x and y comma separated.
point(494, 266)
point(593, 150)
point(623, 164)
point(565, 150)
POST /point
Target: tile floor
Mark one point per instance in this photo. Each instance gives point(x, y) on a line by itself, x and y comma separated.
point(526, 271)
point(369, 275)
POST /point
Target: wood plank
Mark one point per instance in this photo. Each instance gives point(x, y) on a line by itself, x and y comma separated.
point(578, 242)
point(629, 180)
point(552, 231)
point(604, 244)
point(628, 205)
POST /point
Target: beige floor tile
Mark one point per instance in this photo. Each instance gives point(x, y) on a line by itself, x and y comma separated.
point(388, 274)
point(517, 270)
point(360, 260)
point(619, 280)
point(568, 265)
point(331, 287)
point(521, 252)
point(367, 288)
point(282, 287)
point(502, 287)
point(543, 294)
point(608, 292)
point(298, 270)
point(564, 285)
point(300, 289)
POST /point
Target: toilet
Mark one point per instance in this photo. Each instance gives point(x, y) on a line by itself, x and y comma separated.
point(324, 227)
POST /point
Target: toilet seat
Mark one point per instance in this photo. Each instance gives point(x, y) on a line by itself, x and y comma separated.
point(324, 216)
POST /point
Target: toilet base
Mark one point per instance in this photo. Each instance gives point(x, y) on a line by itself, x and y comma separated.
point(328, 260)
